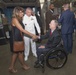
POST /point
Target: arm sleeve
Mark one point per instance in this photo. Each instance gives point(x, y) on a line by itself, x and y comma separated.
point(56, 41)
point(42, 37)
point(37, 25)
point(61, 18)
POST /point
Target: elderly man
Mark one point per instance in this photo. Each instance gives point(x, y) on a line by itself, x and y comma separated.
point(30, 23)
point(54, 39)
point(67, 20)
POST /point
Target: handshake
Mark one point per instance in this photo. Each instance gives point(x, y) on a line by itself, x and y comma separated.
point(35, 37)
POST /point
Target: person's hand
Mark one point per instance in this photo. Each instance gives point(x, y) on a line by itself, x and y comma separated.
point(59, 16)
point(34, 37)
point(42, 46)
point(38, 37)
point(39, 34)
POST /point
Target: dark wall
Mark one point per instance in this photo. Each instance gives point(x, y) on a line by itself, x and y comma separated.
point(8, 12)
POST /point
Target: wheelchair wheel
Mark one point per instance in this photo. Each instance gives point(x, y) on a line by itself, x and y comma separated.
point(56, 59)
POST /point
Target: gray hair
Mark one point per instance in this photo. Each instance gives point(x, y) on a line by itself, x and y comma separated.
point(56, 22)
point(28, 9)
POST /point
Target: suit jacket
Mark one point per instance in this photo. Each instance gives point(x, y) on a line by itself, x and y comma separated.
point(53, 40)
point(67, 20)
point(49, 16)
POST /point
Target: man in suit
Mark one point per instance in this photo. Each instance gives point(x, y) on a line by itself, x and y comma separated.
point(67, 20)
point(53, 37)
point(49, 15)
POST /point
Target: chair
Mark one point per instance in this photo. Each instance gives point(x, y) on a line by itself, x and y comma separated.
point(55, 58)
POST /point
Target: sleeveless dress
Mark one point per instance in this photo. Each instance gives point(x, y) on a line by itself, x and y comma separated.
point(15, 35)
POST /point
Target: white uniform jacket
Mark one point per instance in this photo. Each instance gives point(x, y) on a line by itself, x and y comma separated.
point(30, 23)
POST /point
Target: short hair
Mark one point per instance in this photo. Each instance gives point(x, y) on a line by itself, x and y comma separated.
point(28, 9)
point(56, 22)
point(66, 5)
point(51, 4)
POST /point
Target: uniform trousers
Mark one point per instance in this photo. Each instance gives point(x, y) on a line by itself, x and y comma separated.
point(27, 43)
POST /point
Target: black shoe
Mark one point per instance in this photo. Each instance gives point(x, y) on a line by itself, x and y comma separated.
point(37, 65)
point(37, 62)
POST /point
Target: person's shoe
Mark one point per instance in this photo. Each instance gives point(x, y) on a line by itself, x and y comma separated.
point(26, 67)
point(11, 70)
point(37, 65)
point(37, 62)
point(26, 58)
point(41, 64)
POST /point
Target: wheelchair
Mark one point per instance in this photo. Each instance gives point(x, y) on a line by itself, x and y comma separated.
point(55, 58)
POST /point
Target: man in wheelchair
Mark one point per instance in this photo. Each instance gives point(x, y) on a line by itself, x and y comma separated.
point(54, 38)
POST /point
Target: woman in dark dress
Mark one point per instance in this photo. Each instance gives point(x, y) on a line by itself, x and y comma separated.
point(17, 28)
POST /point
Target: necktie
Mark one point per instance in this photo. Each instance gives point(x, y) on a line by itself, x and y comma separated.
point(50, 33)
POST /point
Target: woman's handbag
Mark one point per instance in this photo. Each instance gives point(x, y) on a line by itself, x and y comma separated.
point(18, 46)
